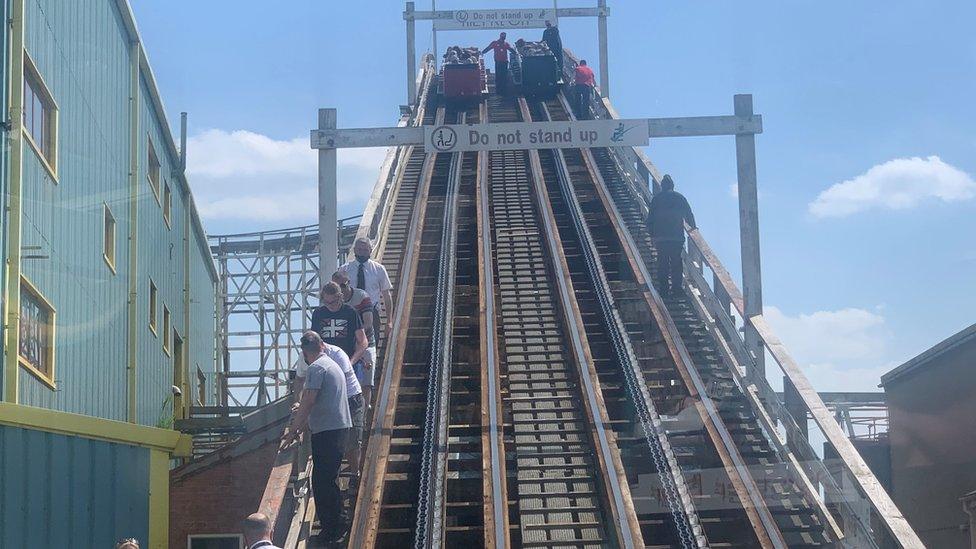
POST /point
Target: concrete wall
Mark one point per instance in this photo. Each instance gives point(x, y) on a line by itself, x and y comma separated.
point(932, 413)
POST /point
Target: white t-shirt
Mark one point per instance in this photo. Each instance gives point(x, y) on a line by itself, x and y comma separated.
point(339, 357)
point(377, 280)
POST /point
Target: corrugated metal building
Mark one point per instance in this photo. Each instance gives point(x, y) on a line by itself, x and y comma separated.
point(109, 286)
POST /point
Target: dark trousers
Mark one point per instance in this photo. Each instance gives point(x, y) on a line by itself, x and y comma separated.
point(327, 450)
point(583, 95)
point(669, 265)
point(501, 77)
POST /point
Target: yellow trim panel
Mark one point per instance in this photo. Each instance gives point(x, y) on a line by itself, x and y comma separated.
point(53, 421)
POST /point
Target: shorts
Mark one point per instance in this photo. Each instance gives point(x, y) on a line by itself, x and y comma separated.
point(357, 411)
point(366, 375)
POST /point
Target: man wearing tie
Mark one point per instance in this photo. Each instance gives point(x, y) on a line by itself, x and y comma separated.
point(371, 276)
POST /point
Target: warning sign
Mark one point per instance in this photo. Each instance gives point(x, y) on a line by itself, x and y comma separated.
point(536, 135)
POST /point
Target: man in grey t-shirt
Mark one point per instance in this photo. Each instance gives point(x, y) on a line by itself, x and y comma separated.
point(324, 411)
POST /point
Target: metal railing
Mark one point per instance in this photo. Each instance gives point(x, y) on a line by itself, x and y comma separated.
point(851, 498)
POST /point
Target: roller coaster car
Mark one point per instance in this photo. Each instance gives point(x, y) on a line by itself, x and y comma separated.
point(462, 75)
point(535, 69)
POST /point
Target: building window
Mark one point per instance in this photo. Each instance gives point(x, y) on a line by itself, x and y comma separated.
point(108, 239)
point(36, 336)
point(215, 541)
point(153, 172)
point(40, 117)
point(152, 305)
point(166, 329)
point(167, 205)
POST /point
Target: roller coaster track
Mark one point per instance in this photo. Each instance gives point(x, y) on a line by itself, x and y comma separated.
point(536, 391)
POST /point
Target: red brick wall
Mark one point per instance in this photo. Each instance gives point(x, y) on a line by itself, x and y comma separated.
point(216, 499)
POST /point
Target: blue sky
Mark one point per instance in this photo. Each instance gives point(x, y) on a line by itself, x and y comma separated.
point(873, 101)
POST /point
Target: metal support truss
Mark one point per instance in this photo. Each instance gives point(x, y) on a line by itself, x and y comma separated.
point(269, 287)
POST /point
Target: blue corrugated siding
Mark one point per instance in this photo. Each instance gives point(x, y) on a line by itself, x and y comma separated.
point(63, 491)
point(80, 49)
point(202, 322)
point(160, 257)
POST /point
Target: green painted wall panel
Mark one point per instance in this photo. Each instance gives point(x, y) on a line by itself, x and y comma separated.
point(64, 491)
point(82, 51)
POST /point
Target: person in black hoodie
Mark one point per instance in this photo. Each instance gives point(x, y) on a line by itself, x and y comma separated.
point(551, 37)
point(666, 219)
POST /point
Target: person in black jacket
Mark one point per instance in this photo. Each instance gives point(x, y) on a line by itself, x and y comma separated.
point(666, 219)
point(551, 37)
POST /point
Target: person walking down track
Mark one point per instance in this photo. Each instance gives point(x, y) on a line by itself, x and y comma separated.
point(666, 218)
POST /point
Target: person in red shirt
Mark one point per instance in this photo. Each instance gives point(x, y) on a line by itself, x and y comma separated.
point(583, 89)
point(501, 48)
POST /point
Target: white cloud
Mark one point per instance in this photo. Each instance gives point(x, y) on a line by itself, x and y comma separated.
point(842, 350)
point(240, 178)
point(897, 184)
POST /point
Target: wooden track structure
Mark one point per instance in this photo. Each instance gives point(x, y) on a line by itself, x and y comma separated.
point(537, 391)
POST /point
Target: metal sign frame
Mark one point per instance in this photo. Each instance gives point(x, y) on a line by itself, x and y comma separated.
point(743, 124)
point(411, 16)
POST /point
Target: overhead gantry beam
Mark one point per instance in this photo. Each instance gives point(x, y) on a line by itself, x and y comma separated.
point(457, 20)
point(744, 124)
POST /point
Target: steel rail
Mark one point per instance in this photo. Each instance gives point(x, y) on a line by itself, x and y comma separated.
point(679, 501)
point(496, 497)
point(433, 468)
point(366, 519)
point(626, 524)
point(742, 480)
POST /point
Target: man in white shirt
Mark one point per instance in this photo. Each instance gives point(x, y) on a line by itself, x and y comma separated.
point(324, 411)
point(257, 532)
point(371, 276)
point(357, 406)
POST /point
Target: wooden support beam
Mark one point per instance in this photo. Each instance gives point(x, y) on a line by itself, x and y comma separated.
point(745, 158)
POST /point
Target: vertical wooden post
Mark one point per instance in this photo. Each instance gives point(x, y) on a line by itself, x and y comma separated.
point(745, 157)
point(604, 57)
point(411, 54)
point(328, 216)
point(433, 30)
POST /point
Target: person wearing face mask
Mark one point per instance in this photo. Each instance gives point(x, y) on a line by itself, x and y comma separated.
point(369, 275)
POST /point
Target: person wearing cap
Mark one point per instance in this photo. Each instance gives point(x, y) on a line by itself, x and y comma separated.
point(666, 218)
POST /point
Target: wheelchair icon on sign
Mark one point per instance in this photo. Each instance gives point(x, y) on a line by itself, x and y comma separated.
point(443, 139)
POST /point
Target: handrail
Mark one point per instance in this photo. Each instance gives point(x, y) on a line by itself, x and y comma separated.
point(281, 473)
point(761, 519)
point(890, 518)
